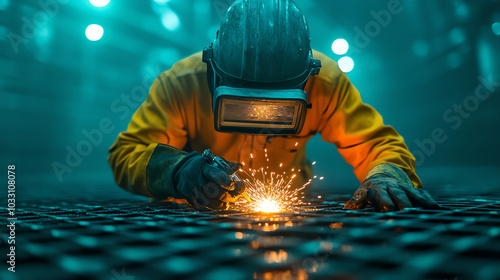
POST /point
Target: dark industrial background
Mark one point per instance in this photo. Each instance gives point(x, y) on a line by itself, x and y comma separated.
point(416, 68)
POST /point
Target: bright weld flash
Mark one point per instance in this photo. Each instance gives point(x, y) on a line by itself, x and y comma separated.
point(268, 206)
point(270, 192)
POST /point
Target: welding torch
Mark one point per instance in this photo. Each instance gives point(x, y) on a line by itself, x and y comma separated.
point(224, 166)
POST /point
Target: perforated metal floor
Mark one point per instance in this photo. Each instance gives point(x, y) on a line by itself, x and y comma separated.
point(132, 239)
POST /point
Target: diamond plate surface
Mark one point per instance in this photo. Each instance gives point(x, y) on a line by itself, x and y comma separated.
point(131, 239)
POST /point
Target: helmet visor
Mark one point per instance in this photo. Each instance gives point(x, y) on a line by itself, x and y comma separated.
point(257, 111)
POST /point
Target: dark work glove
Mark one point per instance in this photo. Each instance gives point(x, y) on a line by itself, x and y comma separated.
point(205, 185)
point(389, 191)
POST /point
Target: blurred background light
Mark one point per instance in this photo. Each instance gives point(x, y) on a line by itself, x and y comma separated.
point(420, 48)
point(170, 20)
point(457, 35)
point(340, 46)
point(496, 28)
point(462, 11)
point(94, 32)
point(3, 4)
point(346, 64)
point(99, 3)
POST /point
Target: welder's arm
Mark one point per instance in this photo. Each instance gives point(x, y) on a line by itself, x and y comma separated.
point(376, 151)
point(148, 159)
point(360, 135)
point(143, 156)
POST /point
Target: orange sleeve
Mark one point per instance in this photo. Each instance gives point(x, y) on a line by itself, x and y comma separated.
point(159, 120)
point(360, 135)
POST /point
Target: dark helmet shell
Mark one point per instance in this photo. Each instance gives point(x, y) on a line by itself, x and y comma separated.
point(261, 44)
point(263, 41)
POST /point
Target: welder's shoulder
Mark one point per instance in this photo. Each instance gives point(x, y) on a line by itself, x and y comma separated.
point(188, 72)
point(191, 65)
point(330, 72)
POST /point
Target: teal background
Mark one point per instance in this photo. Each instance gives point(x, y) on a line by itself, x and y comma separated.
point(55, 83)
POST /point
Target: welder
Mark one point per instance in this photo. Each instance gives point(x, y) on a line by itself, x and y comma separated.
point(254, 97)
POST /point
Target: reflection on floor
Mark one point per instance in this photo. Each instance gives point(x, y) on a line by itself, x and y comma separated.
point(131, 239)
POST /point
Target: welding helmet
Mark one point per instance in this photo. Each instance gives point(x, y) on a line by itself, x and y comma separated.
point(258, 66)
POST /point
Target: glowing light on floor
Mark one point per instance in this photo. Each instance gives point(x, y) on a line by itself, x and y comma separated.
point(99, 3)
point(340, 46)
point(346, 64)
point(94, 32)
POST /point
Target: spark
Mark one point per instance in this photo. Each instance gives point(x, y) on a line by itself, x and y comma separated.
point(313, 163)
point(270, 192)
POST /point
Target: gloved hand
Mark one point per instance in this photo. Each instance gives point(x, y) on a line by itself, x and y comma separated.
point(205, 185)
point(388, 193)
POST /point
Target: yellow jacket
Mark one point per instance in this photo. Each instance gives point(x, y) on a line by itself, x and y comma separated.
point(177, 118)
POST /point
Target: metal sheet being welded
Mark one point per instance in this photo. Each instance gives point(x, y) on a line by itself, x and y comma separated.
point(168, 240)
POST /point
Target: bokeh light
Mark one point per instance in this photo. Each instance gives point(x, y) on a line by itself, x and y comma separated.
point(457, 35)
point(99, 3)
point(170, 20)
point(340, 46)
point(94, 32)
point(346, 64)
point(420, 48)
point(496, 28)
point(462, 11)
point(4, 4)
